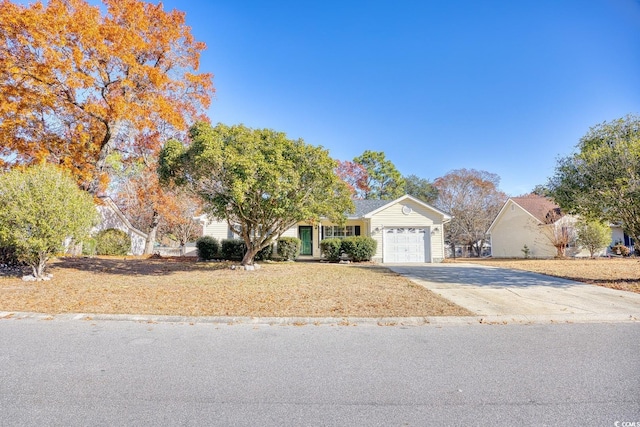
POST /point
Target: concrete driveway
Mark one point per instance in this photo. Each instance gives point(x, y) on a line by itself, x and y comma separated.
point(499, 294)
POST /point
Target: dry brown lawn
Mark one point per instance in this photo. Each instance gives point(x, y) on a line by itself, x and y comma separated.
point(615, 273)
point(172, 287)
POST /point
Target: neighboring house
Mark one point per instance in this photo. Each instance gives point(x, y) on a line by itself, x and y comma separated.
point(112, 217)
point(618, 236)
point(406, 229)
point(531, 220)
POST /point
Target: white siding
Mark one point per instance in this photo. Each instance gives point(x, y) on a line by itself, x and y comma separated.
point(217, 229)
point(292, 232)
point(111, 217)
point(516, 228)
point(393, 216)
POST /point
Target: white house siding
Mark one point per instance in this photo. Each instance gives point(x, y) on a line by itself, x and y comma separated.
point(111, 217)
point(216, 229)
point(419, 217)
point(617, 235)
point(515, 228)
point(292, 232)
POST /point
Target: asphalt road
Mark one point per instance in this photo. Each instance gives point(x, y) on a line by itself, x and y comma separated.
point(65, 372)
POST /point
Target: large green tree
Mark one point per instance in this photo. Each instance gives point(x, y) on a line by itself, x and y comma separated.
point(420, 188)
point(383, 180)
point(40, 208)
point(601, 180)
point(258, 180)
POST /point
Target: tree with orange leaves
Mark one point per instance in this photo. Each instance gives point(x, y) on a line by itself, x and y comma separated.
point(77, 84)
point(355, 176)
point(179, 222)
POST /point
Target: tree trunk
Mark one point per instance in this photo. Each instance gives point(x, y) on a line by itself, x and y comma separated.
point(38, 267)
point(249, 256)
point(101, 163)
point(151, 236)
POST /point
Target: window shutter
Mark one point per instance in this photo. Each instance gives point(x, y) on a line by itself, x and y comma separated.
point(357, 230)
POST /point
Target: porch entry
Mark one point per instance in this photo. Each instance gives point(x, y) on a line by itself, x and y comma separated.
point(305, 232)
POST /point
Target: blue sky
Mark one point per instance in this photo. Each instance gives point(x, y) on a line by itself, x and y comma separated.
point(500, 86)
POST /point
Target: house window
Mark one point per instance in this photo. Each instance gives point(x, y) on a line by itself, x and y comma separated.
point(332, 231)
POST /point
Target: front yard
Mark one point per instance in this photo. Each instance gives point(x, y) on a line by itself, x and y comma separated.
point(187, 288)
point(301, 289)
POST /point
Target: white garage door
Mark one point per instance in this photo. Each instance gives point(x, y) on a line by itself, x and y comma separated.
point(406, 244)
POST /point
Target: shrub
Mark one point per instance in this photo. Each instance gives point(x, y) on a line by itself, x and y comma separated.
point(233, 249)
point(264, 253)
point(208, 247)
point(331, 248)
point(112, 242)
point(89, 247)
point(289, 248)
point(620, 249)
point(40, 208)
point(8, 255)
point(359, 248)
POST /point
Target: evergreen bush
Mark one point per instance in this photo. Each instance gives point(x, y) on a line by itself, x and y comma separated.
point(331, 249)
point(233, 249)
point(8, 255)
point(264, 253)
point(289, 248)
point(112, 242)
point(208, 247)
point(89, 246)
point(359, 248)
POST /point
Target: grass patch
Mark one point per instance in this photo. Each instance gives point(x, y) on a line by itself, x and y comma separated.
point(187, 288)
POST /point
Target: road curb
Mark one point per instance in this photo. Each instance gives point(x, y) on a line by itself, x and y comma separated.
point(334, 321)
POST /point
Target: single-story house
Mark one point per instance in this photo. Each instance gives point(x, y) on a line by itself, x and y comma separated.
point(618, 236)
point(529, 220)
point(112, 217)
point(407, 230)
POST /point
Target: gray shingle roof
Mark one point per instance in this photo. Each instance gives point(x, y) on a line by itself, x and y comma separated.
point(363, 207)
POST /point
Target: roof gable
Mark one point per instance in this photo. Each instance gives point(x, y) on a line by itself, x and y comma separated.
point(108, 203)
point(383, 204)
point(542, 209)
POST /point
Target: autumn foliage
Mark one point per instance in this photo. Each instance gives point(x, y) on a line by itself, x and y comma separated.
point(355, 176)
point(155, 208)
point(77, 84)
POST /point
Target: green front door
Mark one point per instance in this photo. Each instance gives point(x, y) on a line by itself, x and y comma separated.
point(306, 238)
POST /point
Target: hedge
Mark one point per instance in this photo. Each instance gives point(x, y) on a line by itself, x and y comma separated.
point(360, 248)
point(289, 248)
point(112, 242)
point(331, 248)
point(208, 247)
point(264, 253)
point(233, 249)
